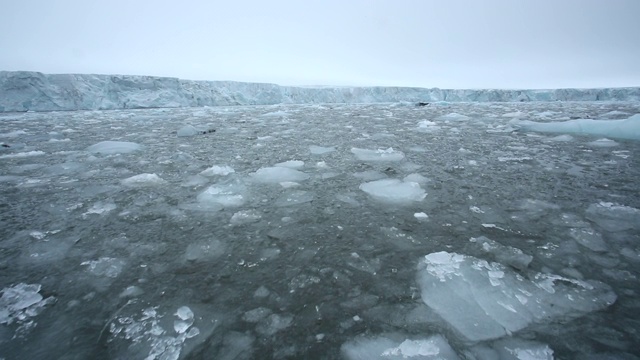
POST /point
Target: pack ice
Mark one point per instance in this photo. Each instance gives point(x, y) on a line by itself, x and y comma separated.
point(483, 300)
point(622, 129)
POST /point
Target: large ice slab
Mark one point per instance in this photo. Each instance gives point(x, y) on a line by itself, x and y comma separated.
point(484, 300)
point(621, 129)
point(278, 174)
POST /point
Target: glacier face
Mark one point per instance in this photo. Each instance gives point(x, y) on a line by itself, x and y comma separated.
point(33, 91)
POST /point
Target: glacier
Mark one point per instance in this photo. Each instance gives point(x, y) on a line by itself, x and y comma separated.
point(33, 91)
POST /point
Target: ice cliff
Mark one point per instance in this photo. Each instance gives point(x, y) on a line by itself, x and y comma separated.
point(24, 91)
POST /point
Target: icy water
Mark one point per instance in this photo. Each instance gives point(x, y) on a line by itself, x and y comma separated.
point(319, 231)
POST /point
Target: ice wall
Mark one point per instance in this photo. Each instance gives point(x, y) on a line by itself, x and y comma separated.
point(24, 91)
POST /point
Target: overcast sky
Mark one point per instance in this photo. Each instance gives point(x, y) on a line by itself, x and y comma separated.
point(444, 43)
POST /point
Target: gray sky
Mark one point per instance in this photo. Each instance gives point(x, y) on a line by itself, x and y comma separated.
point(424, 43)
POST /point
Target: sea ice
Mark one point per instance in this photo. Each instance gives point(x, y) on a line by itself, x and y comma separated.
point(188, 130)
point(621, 129)
point(483, 300)
point(320, 150)
point(613, 217)
point(114, 147)
point(454, 116)
point(513, 349)
point(245, 217)
point(504, 254)
point(22, 154)
point(105, 266)
point(274, 175)
point(393, 346)
point(227, 195)
point(143, 180)
point(588, 238)
point(291, 164)
point(394, 191)
point(603, 143)
point(378, 155)
point(218, 170)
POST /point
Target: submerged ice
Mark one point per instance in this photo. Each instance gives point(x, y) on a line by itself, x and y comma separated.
point(485, 300)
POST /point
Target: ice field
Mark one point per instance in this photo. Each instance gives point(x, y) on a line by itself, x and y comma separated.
point(390, 231)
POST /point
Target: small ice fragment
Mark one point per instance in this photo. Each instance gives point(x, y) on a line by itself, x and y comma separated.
point(184, 313)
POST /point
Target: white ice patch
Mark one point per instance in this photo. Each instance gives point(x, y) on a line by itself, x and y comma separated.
point(20, 303)
point(114, 147)
point(143, 180)
point(148, 331)
point(188, 130)
point(227, 195)
point(620, 129)
point(291, 164)
point(378, 155)
point(274, 175)
point(491, 295)
point(245, 217)
point(218, 170)
point(22, 155)
point(393, 347)
point(100, 208)
point(416, 178)
point(394, 191)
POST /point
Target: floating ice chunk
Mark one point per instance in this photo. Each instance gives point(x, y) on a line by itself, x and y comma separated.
point(143, 180)
point(227, 195)
point(513, 349)
point(100, 208)
point(620, 129)
point(188, 130)
point(378, 155)
point(454, 116)
point(105, 266)
point(393, 347)
point(20, 303)
point(277, 175)
point(245, 217)
point(319, 150)
point(505, 254)
point(588, 238)
point(131, 291)
point(614, 217)
point(114, 147)
point(218, 170)
point(294, 197)
point(22, 154)
point(497, 300)
point(421, 216)
point(394, 191)
point(291, 164)
point(184, 313)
